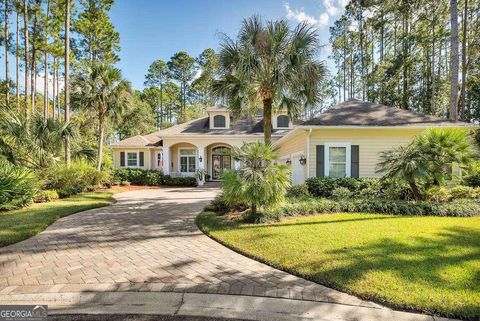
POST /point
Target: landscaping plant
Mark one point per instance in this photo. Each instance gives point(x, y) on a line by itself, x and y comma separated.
point(259, 183)
point(18, 186)
point(428, 160)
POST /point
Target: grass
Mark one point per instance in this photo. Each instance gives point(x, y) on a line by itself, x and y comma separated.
point(427, 264)
point(18, 225)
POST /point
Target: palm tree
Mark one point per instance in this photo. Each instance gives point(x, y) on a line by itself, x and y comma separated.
point(101, 88)
point(259, 182)
point(404, 164)
point(270, 66)
point(33, 142)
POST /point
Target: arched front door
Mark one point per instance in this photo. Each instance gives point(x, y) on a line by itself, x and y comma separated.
point(221, 160)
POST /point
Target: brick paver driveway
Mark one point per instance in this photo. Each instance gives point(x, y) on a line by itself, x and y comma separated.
point(147, 241)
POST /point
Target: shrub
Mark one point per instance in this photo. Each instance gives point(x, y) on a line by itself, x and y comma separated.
point(48, 195)
point(76, 178)
point(347, 182)
point(463, 192)
point(472, 180)
point(137, 176)
point(18, 186)
point(321, 186)
point(368, 188)
point(458, 208)
point(341, 193)
point(297, 190)
point(220, 206)
point(438, 194)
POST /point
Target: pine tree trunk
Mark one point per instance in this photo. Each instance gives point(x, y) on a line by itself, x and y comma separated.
point(27, 59)
point(54, 89)
point(453, 59)
point(405, 65)
point(432, 71)
point(464, 61)
point(58, 91)
point(17, 63)
point(45, 66)
point(382, 35)
point(161, 105)
point(101, 133)
point(67, 77)
point(267, 120)
point(7, 54)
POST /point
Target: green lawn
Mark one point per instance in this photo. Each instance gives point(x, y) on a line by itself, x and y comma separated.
point(431, 264)
point(21, 224)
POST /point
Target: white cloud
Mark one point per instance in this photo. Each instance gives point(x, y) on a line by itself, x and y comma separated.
point(332, 8)
point(299, 15)
point(324, 19)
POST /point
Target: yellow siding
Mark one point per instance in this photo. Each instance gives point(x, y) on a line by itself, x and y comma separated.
point(295, 144)
point(147, 157)
point(371, 142)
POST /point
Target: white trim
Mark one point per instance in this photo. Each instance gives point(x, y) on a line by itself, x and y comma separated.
point(179, 160)
point(348, 158)
point(138, 158)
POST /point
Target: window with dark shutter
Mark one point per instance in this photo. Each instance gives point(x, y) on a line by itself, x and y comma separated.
point(122, 159)
point(282, 121)
point(219, 121)
point(320, 163)
point(141, 156)
point(355, 161)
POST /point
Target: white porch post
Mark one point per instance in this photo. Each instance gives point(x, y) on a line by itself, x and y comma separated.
point(201, 155)
point(166, 159)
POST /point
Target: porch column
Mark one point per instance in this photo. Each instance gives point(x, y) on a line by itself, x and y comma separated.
point(236, 165)
point(201, 157)
point(166, 159)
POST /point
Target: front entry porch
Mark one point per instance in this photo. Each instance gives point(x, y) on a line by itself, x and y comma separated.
point(186, 159)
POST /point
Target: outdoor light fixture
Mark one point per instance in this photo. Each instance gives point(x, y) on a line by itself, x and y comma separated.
point(303, 160)
point(200, 159)
point(288, 162)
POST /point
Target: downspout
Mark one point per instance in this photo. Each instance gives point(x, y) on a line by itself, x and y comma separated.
point(308, 152)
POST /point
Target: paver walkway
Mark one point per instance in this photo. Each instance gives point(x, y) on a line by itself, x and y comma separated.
point(147, 241)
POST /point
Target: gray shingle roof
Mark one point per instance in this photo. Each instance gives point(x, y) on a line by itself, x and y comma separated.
point(138, 140)
point(360, 113)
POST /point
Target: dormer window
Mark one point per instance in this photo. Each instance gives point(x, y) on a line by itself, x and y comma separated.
point(219, 121)
point(283, 121)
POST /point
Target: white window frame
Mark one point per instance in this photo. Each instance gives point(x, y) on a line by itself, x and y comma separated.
point(180, 160)
point(348, 165)
point(126, 158)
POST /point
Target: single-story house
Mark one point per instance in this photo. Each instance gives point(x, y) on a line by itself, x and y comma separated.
point(343, 141)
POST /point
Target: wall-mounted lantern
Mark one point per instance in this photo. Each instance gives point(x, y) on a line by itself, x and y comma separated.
point(288, 162)
point(200, 159)
point(303, 160)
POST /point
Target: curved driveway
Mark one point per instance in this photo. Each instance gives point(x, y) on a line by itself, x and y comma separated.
point(147, 241)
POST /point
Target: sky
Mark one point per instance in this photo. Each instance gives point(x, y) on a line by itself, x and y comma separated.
point(157, 29)
point(151, 30)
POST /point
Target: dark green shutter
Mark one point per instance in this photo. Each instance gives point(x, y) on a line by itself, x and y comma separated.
point(141, 159)
point(122, 159)
point(355, 161)
point(320, 160)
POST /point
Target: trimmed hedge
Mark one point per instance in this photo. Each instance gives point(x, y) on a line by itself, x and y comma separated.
point(138, 176)
point(311, 205)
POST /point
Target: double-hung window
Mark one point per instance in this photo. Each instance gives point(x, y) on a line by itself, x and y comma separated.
point(132, 159)
point(337, 160)
point(187, 160)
